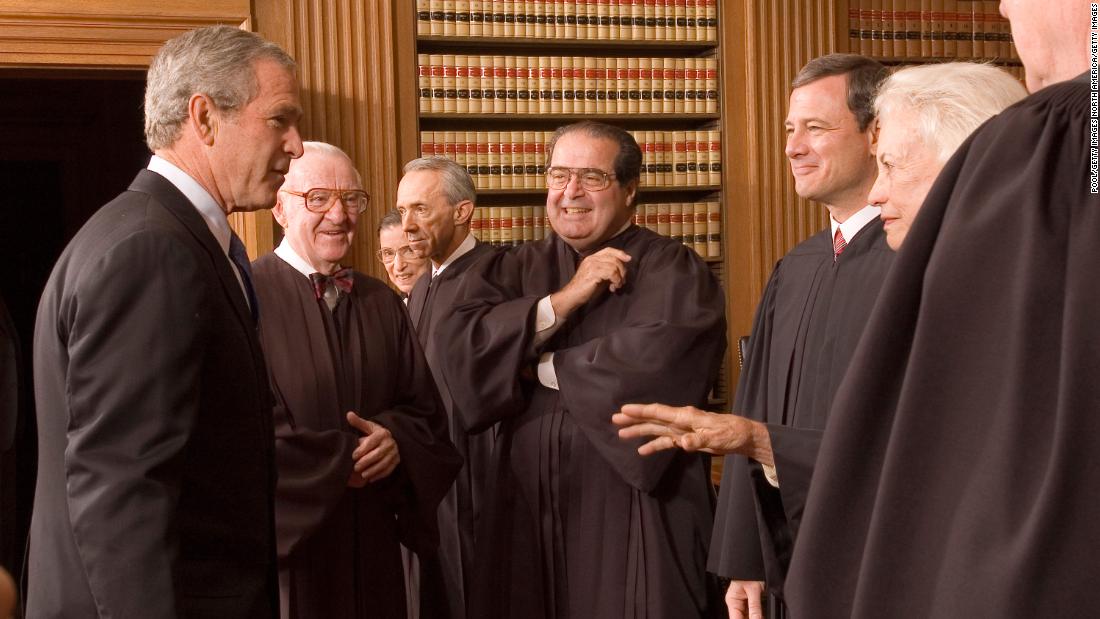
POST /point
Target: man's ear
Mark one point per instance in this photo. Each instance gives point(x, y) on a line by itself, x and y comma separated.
point(201, 118)
point(278, 211)
point(872, 136)
point(632, 192)
point(463, 212)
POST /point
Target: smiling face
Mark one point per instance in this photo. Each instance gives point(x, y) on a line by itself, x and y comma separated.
point(584, 219)
point(830, 157)
point(404, 270)
point(321, 239)
point(252, 147)
point(907, 167)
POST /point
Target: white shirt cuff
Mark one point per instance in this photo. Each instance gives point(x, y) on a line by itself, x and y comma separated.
point(547, 376)
point(771, 475)
point(546, 322)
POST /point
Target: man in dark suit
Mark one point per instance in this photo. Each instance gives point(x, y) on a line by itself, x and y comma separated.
point(156, 475)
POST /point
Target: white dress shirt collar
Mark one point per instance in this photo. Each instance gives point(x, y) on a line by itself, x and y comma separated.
point(198, 196)
point(855, 223)
point(291, 257)
point(465, 247)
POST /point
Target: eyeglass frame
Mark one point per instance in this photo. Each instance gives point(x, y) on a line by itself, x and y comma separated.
point(339, 193)
point(405, 250)
point(579, 172)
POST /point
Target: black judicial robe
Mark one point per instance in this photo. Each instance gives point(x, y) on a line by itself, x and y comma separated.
point(958, 474)
point(429, 301)
point(580, 525)
point(806, 327)
point(338, 546)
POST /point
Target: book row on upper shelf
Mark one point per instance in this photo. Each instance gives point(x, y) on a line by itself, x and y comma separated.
point(483, 84)
point(516, 159)
point(697, 225)
point(601, 20)
point(929, 28)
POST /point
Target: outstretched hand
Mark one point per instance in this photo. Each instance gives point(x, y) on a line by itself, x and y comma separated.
point(690, 429)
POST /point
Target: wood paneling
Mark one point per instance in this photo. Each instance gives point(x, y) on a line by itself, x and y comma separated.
point(357, 70)
point(763, 46)
point(114, 34)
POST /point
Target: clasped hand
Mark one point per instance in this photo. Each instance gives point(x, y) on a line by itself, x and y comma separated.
point(375, 456)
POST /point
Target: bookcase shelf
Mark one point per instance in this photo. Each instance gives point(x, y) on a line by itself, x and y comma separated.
point(577, 47)
point(900, 60)
point(661, 189)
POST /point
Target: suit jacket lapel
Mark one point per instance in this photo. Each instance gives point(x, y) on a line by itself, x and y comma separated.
point(178, 205)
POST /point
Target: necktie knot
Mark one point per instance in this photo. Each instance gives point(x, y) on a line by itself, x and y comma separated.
point(341, 279)
point(838, 244)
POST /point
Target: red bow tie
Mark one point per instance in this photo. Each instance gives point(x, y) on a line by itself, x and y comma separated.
point(342, 279)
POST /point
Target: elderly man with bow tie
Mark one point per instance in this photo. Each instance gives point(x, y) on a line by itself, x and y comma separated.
point(362, 447)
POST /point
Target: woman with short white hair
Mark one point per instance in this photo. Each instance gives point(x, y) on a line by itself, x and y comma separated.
point(924, 113)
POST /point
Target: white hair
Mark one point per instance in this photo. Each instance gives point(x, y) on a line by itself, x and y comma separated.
point(950, 100)
point(327, 150)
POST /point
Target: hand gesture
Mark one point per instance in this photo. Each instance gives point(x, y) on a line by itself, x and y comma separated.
point(685, 427)
point(605, 268)
point(376, 456)
point(743, 599)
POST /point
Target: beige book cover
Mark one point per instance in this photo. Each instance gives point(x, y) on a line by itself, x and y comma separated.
point(462, 18)
point(538, 11)
point(534, 92)
point(477, 17)
point(450, 145)
point(578, 84)
point(523, 95)
point(494, 160)
point(510, 94)
point(449, 23)
point(435, 9)
point(912, 28)
point(567, 92)
point(937, 29)
point(950, 29)
point(436, 81)
point(714, 230)
point(691, 75)
point(715, 157)
point(622, 98)
point(637, 20)
point(712, 20)
point(663, 222)
point(591, 83)
point(545, 85)
point(663, 147)
point(649, 14)
point(876, 27)
point(668, 83)
point(691, 145)
point(424, 82)
point(460, 149)
point(634, 95)
point(925, 28)
point(484, 170)
point(506, 161)
point(700, 227)
point(450, 92)
point(516, 137)
point(645, 85)
point(557, 87)
point(569, 10)
point(473, 83)
point(540, 222)
point(898, 28)
point(601, 85)
point(649, 156)
point(711, 83)
point(680, 85)
point(470, 137)
point(494, 226)
point(661, 10)
point(593, 11)
point(423, 17)
point(475, 224)
point(530, 161)
point(517, 225)
point(964, 36)
point(865, 22)
point(427, 143)
point(500, 94)
point(462, 83)
point(676, 221)
point(679, 158)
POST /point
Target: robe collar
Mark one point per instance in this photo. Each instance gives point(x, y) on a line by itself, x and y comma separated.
point(291, 257)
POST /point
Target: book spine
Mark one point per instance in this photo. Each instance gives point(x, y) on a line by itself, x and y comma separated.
point(530, 167)
point(853, 27)
point(477, 18)
point(436, 81)
point(556, 86)
point(876, 28)
point(912, 28)
point(691, 146)
point(679, 158)
point(523, 94)
point(715, 157)
point(663, 218)
point(964, 36)
point(926, 27)
point(435, 8)
point(505, 161)
point(937, 28)
point(484, 170)
point(699, 210)
point(591, 82)
point(462, 18)
point(472, 156)
point(714, 230)
point(424, 82)
point(518, 167)
point(676, 222)
point(494, 160)
point(462, 84)
point(500, 92)
point(423, 17)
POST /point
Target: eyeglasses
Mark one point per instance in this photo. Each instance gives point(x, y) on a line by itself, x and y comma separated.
point(387, 254)
point(591, 179)
point(320, 199)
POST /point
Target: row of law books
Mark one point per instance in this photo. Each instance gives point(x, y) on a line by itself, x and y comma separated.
point(477, 84)
point(517, 159)
point(929, 28)
point(602, 20)
point(697, 225)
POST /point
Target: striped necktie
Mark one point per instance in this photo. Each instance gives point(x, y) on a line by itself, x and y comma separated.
point(838, 244)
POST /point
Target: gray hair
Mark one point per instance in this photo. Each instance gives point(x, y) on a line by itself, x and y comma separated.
point(457, 185)
point(950, 100)
point(628, 161)
point(392, 219)
point(863, 76)
point(216, 61)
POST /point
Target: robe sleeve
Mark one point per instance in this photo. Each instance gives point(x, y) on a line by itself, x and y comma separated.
point(488, 341)
point(735, 547)
point(429, 461)
point(794, 451)
point(314, 467)
point(667, 348)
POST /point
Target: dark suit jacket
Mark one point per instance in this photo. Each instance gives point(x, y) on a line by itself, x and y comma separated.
point(155, 472)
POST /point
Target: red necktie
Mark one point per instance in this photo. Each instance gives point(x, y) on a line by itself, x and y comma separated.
point(838, 244)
